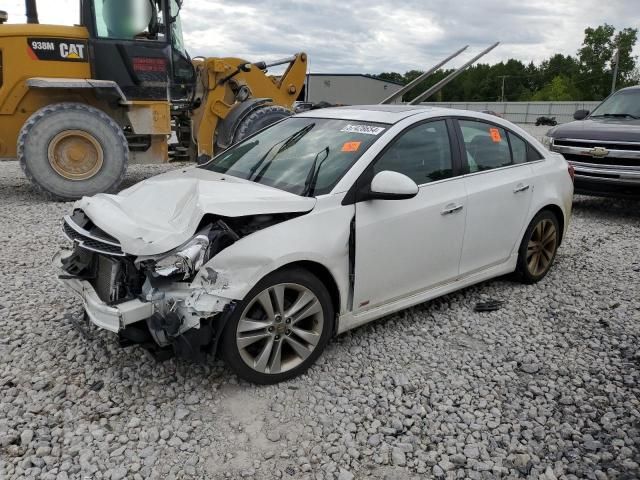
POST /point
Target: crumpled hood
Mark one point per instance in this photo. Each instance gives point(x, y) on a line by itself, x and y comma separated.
point(161, 213)
point(609, 129)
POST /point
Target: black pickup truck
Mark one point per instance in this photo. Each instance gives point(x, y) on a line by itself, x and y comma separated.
point(603, 146)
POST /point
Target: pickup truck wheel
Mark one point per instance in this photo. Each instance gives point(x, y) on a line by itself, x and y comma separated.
point(71, 150)
point(538, 248)
point(280, 328)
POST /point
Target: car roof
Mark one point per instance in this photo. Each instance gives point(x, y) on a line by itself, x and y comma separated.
point(376, 113)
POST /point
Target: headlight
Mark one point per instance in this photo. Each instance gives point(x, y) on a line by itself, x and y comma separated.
point(185, 260)
point(547, 141)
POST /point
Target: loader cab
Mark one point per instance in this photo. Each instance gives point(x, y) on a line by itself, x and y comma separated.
point(139, 45)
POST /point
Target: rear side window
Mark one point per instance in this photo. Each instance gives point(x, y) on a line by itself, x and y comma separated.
point(486, 145)
point(518, 149)
point(533, 154)
point(423, 153)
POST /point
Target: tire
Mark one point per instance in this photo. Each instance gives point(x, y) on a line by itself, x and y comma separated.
point(532, 253)
point(252, 338)
point(71, 150)
point(258, 119)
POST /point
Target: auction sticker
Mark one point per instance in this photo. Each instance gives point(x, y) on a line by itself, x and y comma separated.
point(365, 129)
point(351, 146)
point(495, 135)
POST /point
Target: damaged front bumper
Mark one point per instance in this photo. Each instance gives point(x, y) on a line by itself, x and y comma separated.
point(188, 319)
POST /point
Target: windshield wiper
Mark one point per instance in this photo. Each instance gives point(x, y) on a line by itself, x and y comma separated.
point(616, 115)
point(312, 177)
point(286, 143)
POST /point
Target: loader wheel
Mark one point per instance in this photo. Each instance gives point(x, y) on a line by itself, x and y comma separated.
point(71, 150)
point(260, 118)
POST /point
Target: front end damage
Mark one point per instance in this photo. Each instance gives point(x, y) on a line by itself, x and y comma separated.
point(154, 301)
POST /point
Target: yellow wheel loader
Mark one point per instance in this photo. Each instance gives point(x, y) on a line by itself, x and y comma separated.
point(78, 104)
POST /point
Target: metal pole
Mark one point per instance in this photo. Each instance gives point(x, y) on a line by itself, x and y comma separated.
point(616, 60)
point(32, 11)
point(502, 94)
point(438, 86)
point(415, 82)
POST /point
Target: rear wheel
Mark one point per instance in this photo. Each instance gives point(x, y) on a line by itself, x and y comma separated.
point(69, 150)
point(280, 328)
point(260, 118)
point(538, 248)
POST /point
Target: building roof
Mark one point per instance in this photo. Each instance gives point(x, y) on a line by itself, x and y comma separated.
point(371, 77)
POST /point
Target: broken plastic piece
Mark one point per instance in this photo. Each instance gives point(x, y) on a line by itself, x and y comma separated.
point(488, 306)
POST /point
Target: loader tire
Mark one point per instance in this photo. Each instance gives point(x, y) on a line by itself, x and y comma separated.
point(71, 150)
point(260, 118)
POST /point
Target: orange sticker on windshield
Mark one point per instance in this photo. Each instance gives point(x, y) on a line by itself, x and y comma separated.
point(351, 146)
point(495, 135)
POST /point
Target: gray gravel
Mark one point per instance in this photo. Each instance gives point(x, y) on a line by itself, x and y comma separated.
point(546, 387)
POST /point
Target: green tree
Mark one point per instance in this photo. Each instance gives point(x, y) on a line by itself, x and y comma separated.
point(560, 89)
point(596, 55)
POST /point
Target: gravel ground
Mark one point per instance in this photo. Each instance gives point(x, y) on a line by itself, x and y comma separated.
point(547, 387)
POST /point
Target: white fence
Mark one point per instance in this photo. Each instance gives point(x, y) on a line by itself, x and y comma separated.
point(523, 112)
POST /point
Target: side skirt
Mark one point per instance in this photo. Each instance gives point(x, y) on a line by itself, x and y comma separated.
point(350, 320)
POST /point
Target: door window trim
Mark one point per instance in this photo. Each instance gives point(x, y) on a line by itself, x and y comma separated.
point(353, 194)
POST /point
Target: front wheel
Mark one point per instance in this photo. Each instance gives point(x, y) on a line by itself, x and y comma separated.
point(280, 328)
point(539, 247)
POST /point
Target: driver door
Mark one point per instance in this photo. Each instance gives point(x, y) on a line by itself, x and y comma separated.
point(405, 247)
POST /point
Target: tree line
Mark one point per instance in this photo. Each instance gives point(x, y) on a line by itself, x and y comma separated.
point(586, 76)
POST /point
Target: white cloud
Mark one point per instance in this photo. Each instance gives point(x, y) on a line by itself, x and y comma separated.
point(371, 36)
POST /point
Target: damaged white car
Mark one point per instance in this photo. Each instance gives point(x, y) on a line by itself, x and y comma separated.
point(318, 224)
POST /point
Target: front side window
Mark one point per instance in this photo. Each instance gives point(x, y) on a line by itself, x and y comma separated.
point(423, 153)
point(129, 19)
point(486, 145)
point(305, 156)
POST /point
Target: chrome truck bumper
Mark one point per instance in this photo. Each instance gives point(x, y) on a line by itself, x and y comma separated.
point(602, 168)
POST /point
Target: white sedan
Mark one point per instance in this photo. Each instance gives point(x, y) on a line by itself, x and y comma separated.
point(318, 224)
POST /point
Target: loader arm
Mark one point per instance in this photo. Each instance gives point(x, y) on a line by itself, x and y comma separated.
point(225, 86)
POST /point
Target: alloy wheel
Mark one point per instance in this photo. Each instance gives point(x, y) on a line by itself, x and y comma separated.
point(280, 328)
point(541, 247)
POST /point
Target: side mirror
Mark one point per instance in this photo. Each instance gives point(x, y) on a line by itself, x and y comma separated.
point(4, 16)
point(388, 185)
point(581, 114)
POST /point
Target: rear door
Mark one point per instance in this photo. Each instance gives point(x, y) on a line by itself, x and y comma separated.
point(499, 188)
point(407, 246)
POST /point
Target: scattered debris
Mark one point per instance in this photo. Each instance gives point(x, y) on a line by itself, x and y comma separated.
point(488, 305)
point(96, 386)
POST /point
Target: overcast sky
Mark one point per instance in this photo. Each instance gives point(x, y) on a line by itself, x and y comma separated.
point(371, 36)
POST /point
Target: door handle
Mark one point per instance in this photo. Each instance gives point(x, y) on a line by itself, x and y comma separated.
point(451, 208)
point(520, 188)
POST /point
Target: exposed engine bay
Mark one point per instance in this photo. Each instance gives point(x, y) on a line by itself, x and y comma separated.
point(185, 320)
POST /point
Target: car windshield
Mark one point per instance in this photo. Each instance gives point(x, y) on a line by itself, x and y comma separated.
point(305, 156)
point(625, 103)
